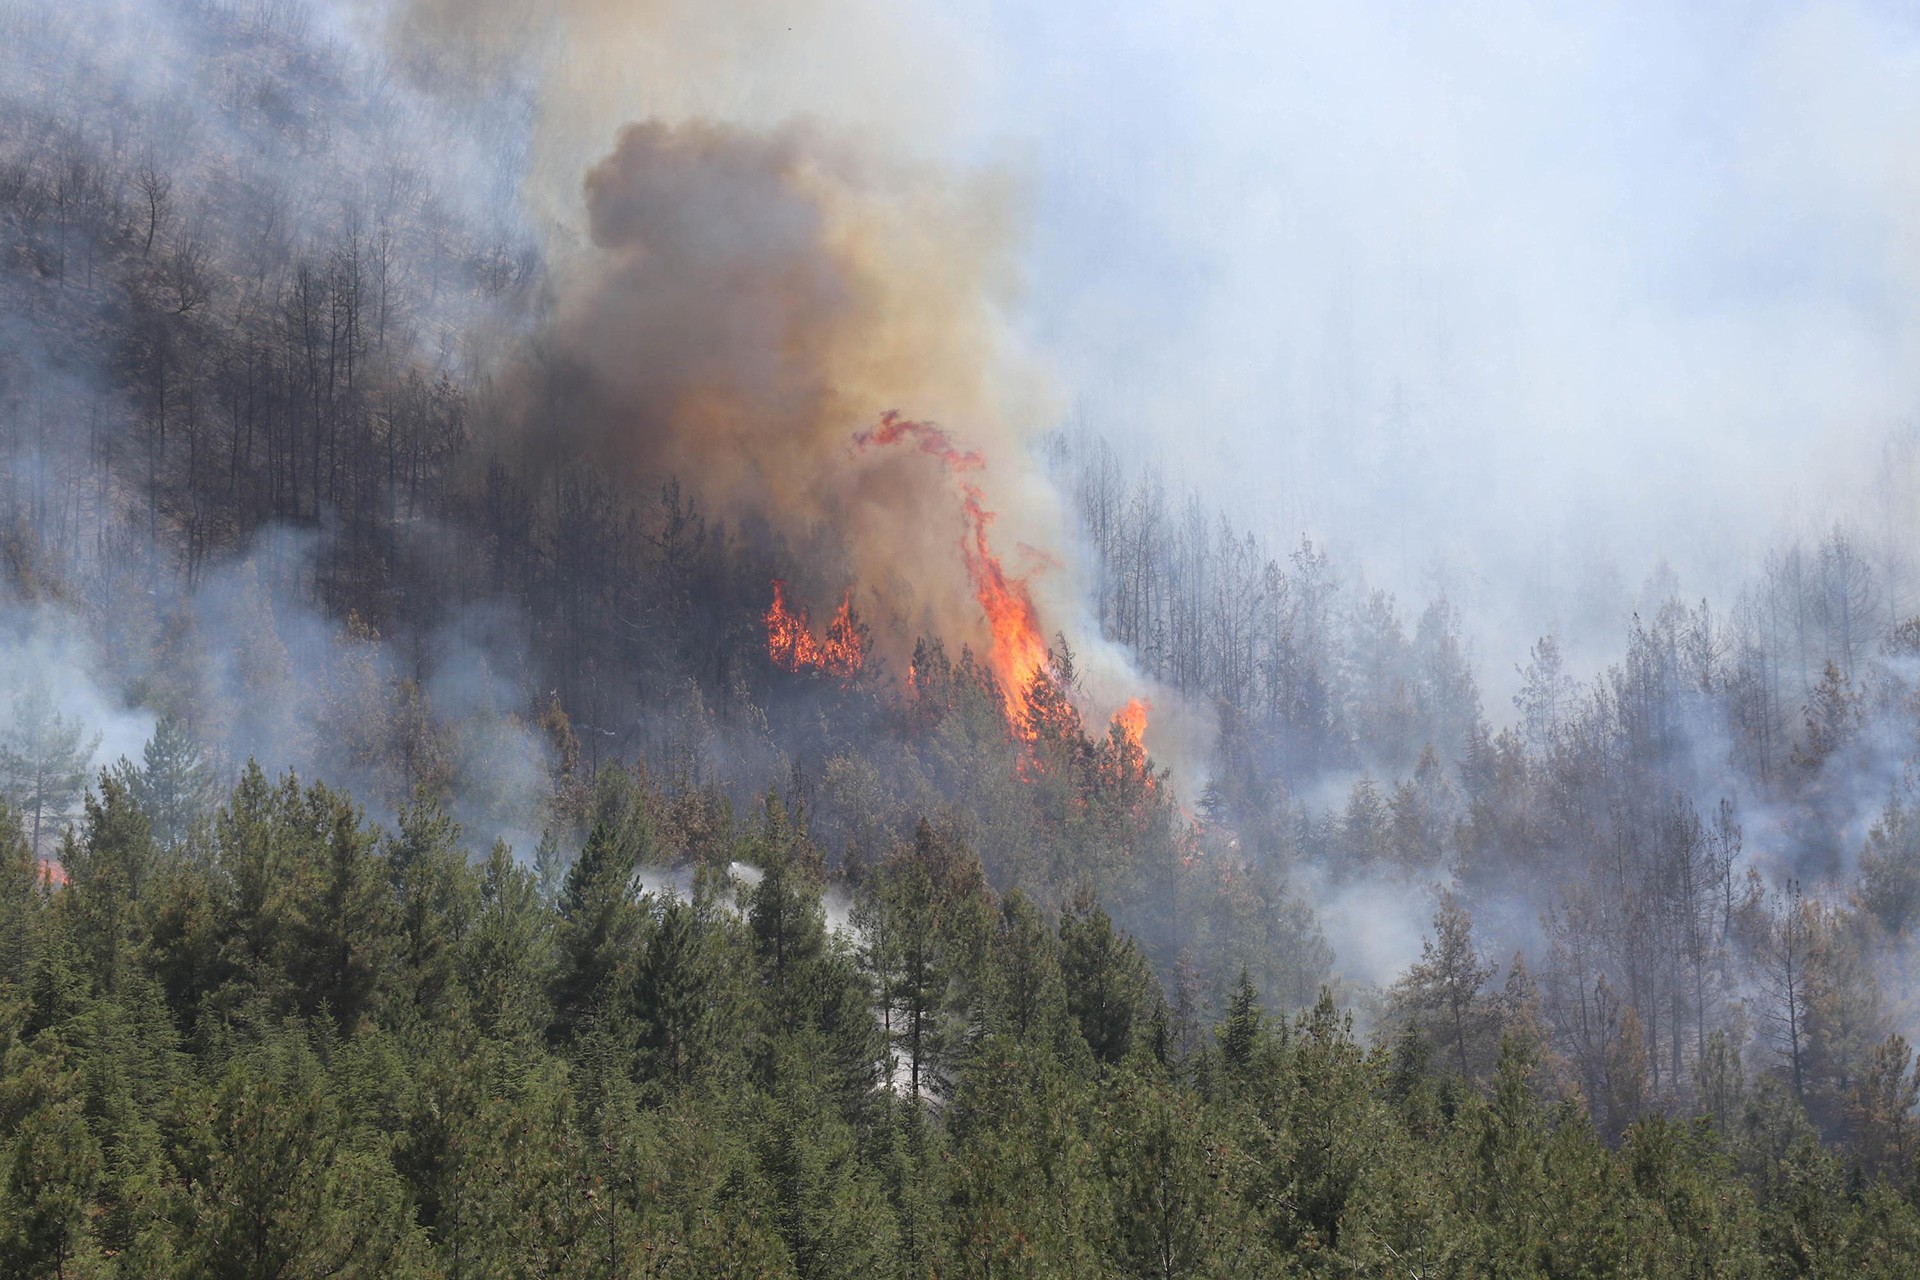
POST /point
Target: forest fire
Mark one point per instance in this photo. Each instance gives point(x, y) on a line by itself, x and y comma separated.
point(790, 643)
point(1018, 651)
point(1131, 720)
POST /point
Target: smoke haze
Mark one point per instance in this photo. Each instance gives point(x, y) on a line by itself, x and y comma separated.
point(1517, 309)
point(1518, 306)
point(1513, 301)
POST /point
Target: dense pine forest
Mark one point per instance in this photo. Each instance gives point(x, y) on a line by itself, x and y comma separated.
point(435, 838)
point(291, 1043)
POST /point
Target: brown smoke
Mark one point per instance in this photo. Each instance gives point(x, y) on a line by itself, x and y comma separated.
point(755, 299)
point(749, 295)
point(867, 69)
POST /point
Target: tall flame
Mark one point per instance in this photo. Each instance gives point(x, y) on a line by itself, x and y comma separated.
point(1018, 651)
point(1131, 720)
point(791, 645)
point(844, 651)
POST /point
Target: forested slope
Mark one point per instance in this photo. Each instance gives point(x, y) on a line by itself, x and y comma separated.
point(293, 1044)
point(483, 893)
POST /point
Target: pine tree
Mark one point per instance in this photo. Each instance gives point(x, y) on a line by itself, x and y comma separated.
point(912, 965)
point(506, 955)
point(671, 997)
point(438, 899)
point(339, 937)
point(1332, 1129)
point(1785, 953)
point(20, 894)
point(1023, 1197)
point(276, 1186)
point(1546, 696)
point(1109, 989)
point(253, 840)
point(1883, 1113)
point(600, 916)
point(1365, 828)
point(176, 783)
point(1029, 996)
point(783, 912)
point(43, 762)
point(1171, 1211)
point(108, 867)
point(1241, 1032)
point(50, 1163)
point(1889, 888)
point(1829, 721)
point(1442, 992)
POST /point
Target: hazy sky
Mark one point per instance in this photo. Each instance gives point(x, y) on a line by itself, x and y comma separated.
point(1515, 299)
point(1532, 288)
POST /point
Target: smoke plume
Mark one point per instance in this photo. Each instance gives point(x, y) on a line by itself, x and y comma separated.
point(758, 276)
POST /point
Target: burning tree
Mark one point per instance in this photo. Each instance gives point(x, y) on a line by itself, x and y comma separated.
point(842, 653)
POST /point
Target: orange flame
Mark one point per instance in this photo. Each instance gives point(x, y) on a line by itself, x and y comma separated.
point(844, 651)
point(1131, 720)
point(1124, 754)
point(1018, 652)
point(791, 645)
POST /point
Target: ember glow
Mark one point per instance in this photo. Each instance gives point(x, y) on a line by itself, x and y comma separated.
point(791, 645)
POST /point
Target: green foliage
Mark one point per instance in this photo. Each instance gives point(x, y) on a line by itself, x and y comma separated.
point(926, 920)
point(50, 1163)
point(506, 956)
point(308, 1047)
point(1108, 987)
point(277, 1180)
point(176, 786)
point(600, 916)
point(43, 762)
point(673, 998)
point(20, 891)
point(1444, 993)
point(1022, 1193)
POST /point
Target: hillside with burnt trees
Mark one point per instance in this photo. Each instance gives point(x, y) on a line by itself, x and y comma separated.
point(478, 803)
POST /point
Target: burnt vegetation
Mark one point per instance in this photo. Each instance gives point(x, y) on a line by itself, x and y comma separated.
point(511, 884)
